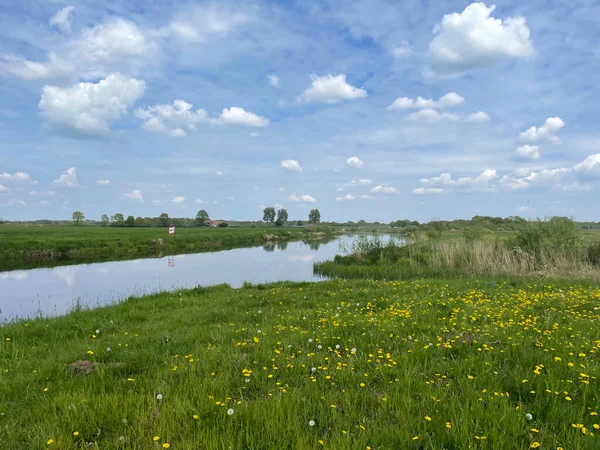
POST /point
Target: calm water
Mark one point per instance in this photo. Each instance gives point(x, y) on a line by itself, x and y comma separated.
point(27, 293)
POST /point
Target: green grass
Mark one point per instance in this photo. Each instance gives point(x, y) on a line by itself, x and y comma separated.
point(27, 246)
point(476, 355)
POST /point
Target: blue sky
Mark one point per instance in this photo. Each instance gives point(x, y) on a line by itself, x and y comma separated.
point(375, 110)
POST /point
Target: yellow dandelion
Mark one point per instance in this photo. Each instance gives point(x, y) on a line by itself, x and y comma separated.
point(156, 438)
point(166, 445)
point(75, 433)
point(535, 445)
point(428, 419)
point(50, 442)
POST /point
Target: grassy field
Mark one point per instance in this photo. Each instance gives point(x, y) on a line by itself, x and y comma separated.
point(26, 246)
point(340, 364)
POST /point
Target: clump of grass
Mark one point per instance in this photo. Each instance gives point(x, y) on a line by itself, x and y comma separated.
point(412, 365)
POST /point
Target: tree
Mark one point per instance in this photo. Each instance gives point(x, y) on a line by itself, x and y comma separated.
point(163, 220)
point(314, 216)
point(130, 221)
point(118, 220)
point(282, 217)
point(202, 217)
point(77, 217)
point(269, 214)
point(104, 220)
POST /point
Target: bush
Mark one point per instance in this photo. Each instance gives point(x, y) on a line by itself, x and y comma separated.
point(473, 234)
point(593, 253)
point(223, 225)
point(556, 234)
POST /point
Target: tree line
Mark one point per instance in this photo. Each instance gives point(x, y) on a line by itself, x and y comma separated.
point(280, 217)
point(163, 220)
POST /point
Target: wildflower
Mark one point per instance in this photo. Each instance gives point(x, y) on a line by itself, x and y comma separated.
point(166, 445)
point(108, 349)
point(321, 442)
point(448, 425)
point(596, 426)
point(46, 389)
point(319, 346)
point(75, 433)
point(568, 399)
point(535, 445)
point(353, 350)
point(195, 416)
point(311, 423)
point(528, 416)
point(255, 339)
point(314, 369)
point(310, 340)
point(535, 430)
point(416, 438)
point(362, 384)
point(97, 331)
point(428, 419)
point(156, 438)
point(50, 442)
point(230, 412)
point(130, 379)
point(159, 397)
point(89, 352)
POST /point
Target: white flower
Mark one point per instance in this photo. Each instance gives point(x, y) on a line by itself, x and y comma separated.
point(259, 311)
point(314, 369)
point(319, 346)
point(247, 380)
point(528, 416)
point(258, 331)
point(311, 423)
point(230, 412)
point(310, 340)
point(337, 346)
point(108, 349)
point(159, 397)
point(97, 331)
point(353, 350)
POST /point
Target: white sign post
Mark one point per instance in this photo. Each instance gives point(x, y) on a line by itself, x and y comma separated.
point(171, 230)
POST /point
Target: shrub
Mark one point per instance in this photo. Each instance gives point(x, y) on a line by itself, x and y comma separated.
point(223, 225)
point(473, 234)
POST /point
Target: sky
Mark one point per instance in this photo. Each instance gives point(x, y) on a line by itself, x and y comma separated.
point(365, 109)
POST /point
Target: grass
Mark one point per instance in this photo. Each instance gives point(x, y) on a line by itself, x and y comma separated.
point(382, 365)
point(27, 246)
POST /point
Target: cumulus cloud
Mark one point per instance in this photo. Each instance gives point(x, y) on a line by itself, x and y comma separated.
point(590, 166)
point(481, 182)
point(301, 198)
point(402, 51)
point(524, 178)
point(201, 201)
point(13, 202)
point(291, 165)
point(530, 152)
point(424, 191)
point(355, 162)
point(134, 196)
point(24, 69)
point(4, 188)
point(67, 179)
point(178, 200)
point(175, 119)
point(345, 198)
point(360, 182)
point(545, 133)
point(62, 19)
point(42, 193)
point(431, 115)
point(450, 100)
point(103, 182)
point(18, 177)
point(385, 189)
point(273, 80)
point(330, 89)
point(479, 116)
point(89, 108)
point(473, 39)
point(367, 197)
point(238, 116)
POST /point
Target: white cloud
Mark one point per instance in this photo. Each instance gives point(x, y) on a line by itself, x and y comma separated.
point(273, 80)
point(238, 116)
point(360, 182)
point(62, 19)
point(4, 188)
point(545, 133)
point(281, 189)
point(117, 44)
point(345, 198)
point(302, 198)
point(473, 39)
point(88, 108)
point(42, 193)
point(19, 67)
point(202, 23)
point(174, 120)
point(424, 191)
point(431, 115)
point(68, 179)
point(525, 209)
point(254, 134)
point(530, 152)
point(576, 187)
point(367, 197)
point(450, 100)
point(479, 117)
point(291, 165)
point(330, 89)
point(589, 166)
point(134, 196)
point(355, 162)
point(178, 200)
point(482, 182)
point(201, 201)
point(18, 177)
point(103, 182)
point(13, 202)
point(524, 178)
point(385, 189)
point(402, 51)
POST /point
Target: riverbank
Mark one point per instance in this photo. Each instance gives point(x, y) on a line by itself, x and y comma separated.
point(339, 364)
point(24, 247)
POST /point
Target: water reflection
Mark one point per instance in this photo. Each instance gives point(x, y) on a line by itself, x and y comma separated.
point(269, 247)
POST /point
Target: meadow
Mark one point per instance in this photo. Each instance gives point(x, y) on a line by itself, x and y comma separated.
point(32, 246)
point(340, 364)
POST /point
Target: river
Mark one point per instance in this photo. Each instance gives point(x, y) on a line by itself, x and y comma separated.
point(54, 291)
